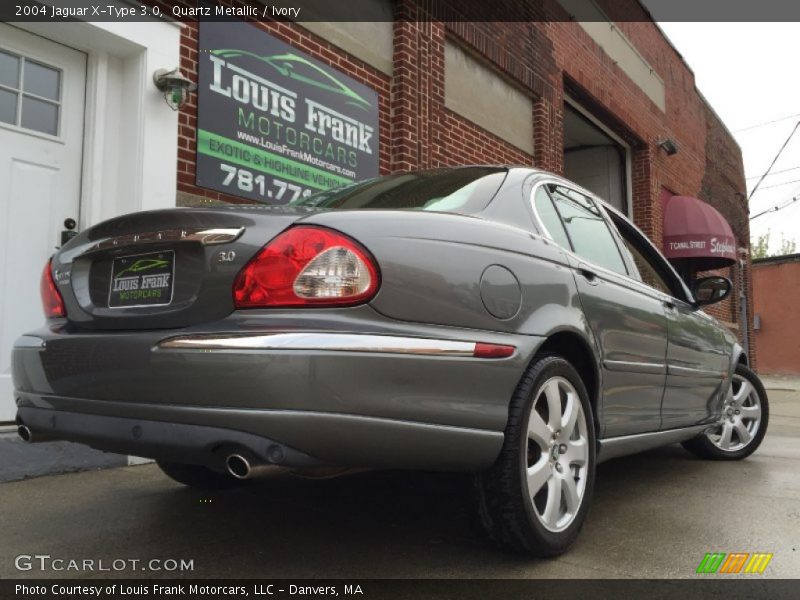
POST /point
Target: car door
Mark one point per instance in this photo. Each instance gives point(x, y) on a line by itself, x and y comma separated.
point(695, 356)
point(627, 318)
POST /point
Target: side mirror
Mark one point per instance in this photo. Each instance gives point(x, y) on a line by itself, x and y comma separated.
point(709, 290)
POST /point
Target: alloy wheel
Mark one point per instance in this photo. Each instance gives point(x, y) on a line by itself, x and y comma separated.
point(741, 417)
point(557, 454)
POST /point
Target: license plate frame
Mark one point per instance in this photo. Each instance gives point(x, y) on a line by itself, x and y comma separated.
point(144, 285)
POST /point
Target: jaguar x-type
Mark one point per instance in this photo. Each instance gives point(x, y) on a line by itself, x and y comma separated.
point(494, 320)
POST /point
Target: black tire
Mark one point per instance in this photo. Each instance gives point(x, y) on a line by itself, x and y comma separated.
point(199, 477)
point(507, 512)
point(704, 445)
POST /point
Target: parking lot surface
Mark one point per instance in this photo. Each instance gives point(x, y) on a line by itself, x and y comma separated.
point(653, 515)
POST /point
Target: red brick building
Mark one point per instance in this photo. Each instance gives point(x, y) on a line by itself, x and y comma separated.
point(593, 100)
point(776, 286)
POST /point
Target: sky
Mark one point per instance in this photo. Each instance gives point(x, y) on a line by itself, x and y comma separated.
point(749, 74)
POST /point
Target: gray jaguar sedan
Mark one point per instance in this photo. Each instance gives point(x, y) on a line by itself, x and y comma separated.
point(494, 320)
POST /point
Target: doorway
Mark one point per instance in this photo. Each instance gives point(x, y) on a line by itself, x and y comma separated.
point(595, 158)
point(42, 103)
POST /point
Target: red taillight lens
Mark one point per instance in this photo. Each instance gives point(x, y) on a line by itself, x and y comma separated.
point(483, 350)
point(307, 266)
point(51, 298)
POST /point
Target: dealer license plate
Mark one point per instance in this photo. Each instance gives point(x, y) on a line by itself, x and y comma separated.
point(142, 280)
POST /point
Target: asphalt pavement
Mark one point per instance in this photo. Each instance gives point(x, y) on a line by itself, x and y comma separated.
point(654, 515)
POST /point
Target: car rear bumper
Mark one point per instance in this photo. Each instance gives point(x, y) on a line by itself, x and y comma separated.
point(347, 394)
point(283, 438)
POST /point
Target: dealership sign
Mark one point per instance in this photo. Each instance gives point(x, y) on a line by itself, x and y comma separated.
point(274, 124)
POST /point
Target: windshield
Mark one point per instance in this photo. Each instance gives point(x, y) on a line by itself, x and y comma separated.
point(464, 190)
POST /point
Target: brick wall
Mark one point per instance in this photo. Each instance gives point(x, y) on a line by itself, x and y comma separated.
point(777, 284)
point(546, 60)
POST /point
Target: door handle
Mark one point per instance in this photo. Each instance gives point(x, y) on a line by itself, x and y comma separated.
point(589, 275)
point(669, 304)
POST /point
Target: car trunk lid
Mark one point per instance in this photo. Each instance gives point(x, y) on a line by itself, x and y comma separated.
point(158, 269)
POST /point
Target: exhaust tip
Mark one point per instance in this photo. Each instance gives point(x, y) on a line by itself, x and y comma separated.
point(238, 466)
point(24, 433)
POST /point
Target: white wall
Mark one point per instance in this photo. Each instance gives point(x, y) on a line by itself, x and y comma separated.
point(131, 137)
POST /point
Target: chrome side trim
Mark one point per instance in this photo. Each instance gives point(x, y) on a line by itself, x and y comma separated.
point(632, 444)
point(205, 236)
point(635, 367)
point(690, 372)
point(342, 342)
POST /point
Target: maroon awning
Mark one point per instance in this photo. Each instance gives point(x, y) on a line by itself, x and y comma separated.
point(695, 231)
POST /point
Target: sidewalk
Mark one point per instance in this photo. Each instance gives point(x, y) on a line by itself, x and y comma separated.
point(783, 383)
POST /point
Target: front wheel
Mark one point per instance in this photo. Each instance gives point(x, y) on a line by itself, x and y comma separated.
point(742, 425)
point(535, 497)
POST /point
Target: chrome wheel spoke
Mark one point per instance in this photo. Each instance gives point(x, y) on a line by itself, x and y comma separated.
point(751, 412)
point(538, 475)
point(553, 395)
point(745, 389)
point(725, 436)
point(571, 496)
point(538, 430)
point(742, 432)
point(570, 416)
point(577, 452)
point(553, 506)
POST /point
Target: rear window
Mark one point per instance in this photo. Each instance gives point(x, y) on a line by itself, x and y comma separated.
point(465, 191)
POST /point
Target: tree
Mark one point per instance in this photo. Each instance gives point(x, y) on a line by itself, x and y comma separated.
point(787, 247)
point(760, 248)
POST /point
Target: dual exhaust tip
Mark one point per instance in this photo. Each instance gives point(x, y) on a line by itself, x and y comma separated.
point(240, 467)
point(25, 433)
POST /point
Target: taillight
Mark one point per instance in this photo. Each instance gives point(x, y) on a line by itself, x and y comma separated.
point(308, 266)
point(51, 298)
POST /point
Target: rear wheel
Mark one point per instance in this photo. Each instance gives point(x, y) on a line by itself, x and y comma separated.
point(535, 497)
point(199, 477)
point(742, 425)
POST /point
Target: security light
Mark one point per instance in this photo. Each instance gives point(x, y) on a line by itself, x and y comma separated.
point(174, 85)
point(668, 145)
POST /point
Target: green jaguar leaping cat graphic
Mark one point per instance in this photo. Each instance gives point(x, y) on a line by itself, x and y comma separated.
point(143, 264)
point(291, 66)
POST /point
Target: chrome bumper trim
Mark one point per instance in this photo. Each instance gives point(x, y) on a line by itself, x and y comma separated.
point(343, 342)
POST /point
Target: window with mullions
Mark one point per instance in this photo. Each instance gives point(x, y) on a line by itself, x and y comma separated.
point(30, 94)
point(588, 231)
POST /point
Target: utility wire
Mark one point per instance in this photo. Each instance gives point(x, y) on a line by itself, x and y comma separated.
point(774, 185)
point(775, 208)
point(749, 127)
point(774, 160)
point(774, 173)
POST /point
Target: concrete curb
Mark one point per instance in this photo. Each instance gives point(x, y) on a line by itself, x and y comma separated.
point(19, 460)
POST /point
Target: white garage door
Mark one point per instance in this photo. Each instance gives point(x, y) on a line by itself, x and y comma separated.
point(42, 91)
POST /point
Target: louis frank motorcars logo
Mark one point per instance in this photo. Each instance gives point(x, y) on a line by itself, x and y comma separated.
point(735, 562)
point(144, 264)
